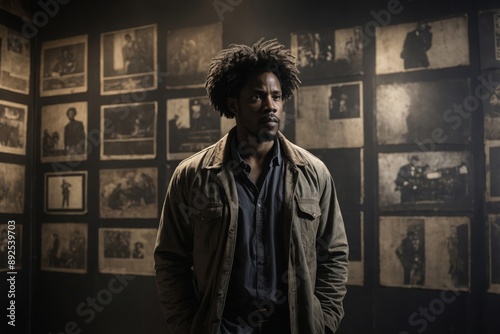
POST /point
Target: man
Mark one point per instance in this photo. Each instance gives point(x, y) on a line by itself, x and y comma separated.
point(74, 134)
point(407, 180)
point(251, 238)
point(65, 192)
point(416, 45)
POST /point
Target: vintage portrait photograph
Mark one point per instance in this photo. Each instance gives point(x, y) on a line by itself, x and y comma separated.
point(492, 151)
point(425, 252)
point(423, 113)
point(189, 53)
point(128, 193)
point(489, 38)
point(129, 131)
point(13, 118)
point(192, 125)
point(4, 246)
point(12, 188)
point(64, 247)
point(15, 61)
point(422, 45)
point(129, 60)
point(346, 168)
point(491, 104)
point(494, 253)
point(64, 132)
point(331, 115)
point(328, 53)
point(66, 193)
point(425, 180)
point(64, 65)
point(127, 251)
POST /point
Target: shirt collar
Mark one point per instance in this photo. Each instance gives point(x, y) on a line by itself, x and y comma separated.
point(276, 160)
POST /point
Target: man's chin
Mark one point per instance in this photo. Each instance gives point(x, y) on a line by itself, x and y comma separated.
point(265, 136)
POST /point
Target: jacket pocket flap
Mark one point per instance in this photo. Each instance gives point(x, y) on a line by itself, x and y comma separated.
point(212, 211)
point(309, 207)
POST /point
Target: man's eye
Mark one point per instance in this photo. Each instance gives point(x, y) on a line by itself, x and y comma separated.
point(277, 97)
point(256, 97)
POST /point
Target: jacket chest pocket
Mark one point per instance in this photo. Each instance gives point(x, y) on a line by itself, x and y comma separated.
point(207, 227)
point(309, 213)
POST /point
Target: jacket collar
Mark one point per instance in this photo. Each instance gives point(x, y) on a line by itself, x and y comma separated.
point(221, 151)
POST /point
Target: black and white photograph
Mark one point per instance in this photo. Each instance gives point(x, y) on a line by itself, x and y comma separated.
point(330, 115)
point(64, 66)
point(12, 188)
point(492, 151)
point(64, 132)
point(489, 38)
point(192, 125)
point(425, 252)
point(491, 104)
point(66, 193)
point(129, 131)
point(13, 122)
point(436, 180)
point(18, 8)
point(127, 251)
point(428, 44)
point(128, 193)
point(15, 61)
point(129, 60)
point(189, 53)
point(494, 253)
point(424, 113)
point(64, 247)
point(346, 168)
point(328, 53)
point(4, 246)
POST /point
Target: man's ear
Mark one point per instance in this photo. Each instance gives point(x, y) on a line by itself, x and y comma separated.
point(232, 105)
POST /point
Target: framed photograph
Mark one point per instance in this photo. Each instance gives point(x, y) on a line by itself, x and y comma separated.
point(192, 125)
point(12, 188)
point(189, 53)
point(66, 193)
point(489, 38)
point(129, 60)
point(15, 61)
point(425, 252)
point(64, 247)
point(13, 120)
point(129, 131)
point(127, 251)
point(423, 113)
point(492, 151)
point(17, 229)
point(434, 180)
point(328, 53)
point(429, 44)
point(64, 66)
point(346, 168)
point(494, 253)
point(491, 104)
point(128, 193)
point(331, 115)
point(64, 132)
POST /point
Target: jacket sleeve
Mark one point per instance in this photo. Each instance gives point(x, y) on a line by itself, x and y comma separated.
point(332, 258)
point(173, 258)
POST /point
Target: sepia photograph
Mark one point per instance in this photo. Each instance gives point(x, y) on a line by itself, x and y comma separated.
point(13, 127)
point(492, 151)
point(192, 125)
point(64, 132)
point(64, 247)
point(12, 188)
point(434, 180)
point(15, 61)
point(425, 252)
point(424, 113)
point(64, 65)
point(491, 104)
point(494, 253)
point(427, 44)
point(129, 131)
point(328, 53)
point(331, 115)
point(346, 168)
point(489, 38)
point(4, 246)
point(128, 193)
point(129, 60)
point(127, 251)
point(189, 53)
point(66, 193)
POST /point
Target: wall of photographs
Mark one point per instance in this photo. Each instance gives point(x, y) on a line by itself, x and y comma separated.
point(400, 101)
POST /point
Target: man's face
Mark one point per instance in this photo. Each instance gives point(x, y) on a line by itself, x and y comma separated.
point(71, 115)
point(259, 108)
